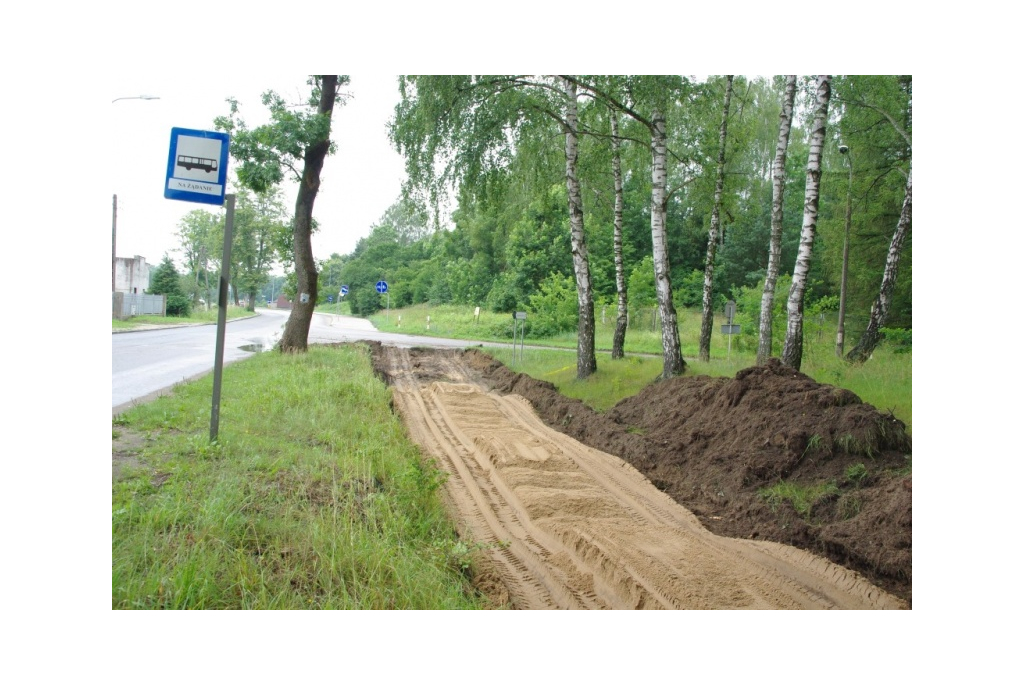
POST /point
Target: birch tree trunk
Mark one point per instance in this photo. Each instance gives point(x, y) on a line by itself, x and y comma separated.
point(708, 318)
point(673, 359)
point(586, 361)
point(296, 330)
point(764, 346)
point(792, 350)
point(880, 308)
point(621, 319)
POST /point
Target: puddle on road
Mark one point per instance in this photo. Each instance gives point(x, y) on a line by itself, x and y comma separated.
point(265, 346)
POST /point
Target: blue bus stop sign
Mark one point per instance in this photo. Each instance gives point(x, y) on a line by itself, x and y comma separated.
point(382, 287)
point(197, 166)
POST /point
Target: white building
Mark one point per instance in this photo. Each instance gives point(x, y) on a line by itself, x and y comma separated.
point(131, 275)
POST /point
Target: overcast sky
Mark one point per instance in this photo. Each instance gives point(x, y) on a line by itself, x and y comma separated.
point(359, 182)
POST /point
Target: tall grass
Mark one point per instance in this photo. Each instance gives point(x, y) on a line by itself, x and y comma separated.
point(312, 497)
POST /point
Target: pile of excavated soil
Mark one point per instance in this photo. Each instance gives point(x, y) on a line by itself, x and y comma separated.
point(715, 444)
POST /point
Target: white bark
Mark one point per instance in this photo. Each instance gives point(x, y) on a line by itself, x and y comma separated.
point(673, 359)
point(792, 350)
point(764, 347)
point(586, 361)
point(621, 318)
point(880, 308)
point(708, 317)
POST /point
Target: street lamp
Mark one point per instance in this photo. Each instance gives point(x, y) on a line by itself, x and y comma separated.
point(136, 97)
point(841, 329)
point(113, 221)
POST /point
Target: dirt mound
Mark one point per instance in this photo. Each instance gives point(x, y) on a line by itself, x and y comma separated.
point(716, 444)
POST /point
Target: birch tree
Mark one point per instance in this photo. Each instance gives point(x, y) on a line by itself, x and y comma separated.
point(792, 350)
point(586, 361)
point(764, 347)
point(707, 319)
point(880, 308)
point(622, 311)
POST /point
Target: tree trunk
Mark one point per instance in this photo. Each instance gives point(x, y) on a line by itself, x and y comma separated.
point(792, 350)
point(296, 331)
point(708, 318)
point(621, 319)
point(586, 361)
point(673, 360)
point(764, 346)
point(880, 308)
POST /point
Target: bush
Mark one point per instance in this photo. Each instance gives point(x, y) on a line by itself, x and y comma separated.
point(555, 307)
point(898, 338)
point(178, 305)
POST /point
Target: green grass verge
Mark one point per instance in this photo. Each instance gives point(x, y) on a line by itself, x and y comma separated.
point(199, 316)
point(312, 497)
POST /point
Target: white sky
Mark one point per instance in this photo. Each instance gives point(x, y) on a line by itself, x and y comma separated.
point(359, 182)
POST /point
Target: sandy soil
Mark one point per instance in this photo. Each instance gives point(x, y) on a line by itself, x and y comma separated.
point(561, 525)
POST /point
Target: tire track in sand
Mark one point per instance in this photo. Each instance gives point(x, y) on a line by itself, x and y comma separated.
point(566, 526)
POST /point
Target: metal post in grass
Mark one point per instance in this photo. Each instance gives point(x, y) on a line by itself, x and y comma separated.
point(730, 329)
point(222, 314)
point(516, 318)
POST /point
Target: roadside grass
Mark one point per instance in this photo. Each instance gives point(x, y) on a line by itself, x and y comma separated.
point(312, 496)
point(199, 316)
point(884, 381)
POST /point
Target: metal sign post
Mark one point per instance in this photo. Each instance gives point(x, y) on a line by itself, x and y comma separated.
point(730, 328)
point(382, 288)
point(521, 328)
point(222, 315)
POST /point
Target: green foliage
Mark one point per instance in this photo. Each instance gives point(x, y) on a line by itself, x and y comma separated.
point(178, 305)
point(689, 291)
point(554, 308)
point(899, 339)
point(265, 153)
point(166, 280)
point(261, 223)
point(640, 287)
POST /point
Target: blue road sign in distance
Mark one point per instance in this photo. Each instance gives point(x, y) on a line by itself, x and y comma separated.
point(197, 166)
point(382, 287)
point(344, 290)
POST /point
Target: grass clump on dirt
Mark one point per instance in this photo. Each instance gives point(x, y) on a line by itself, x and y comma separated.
point(312, 496)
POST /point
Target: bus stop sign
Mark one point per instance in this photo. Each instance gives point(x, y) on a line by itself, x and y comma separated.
point(197, 166)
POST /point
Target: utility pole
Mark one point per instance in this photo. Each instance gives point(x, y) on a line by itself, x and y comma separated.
point(841, 328)
point(113, 248)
